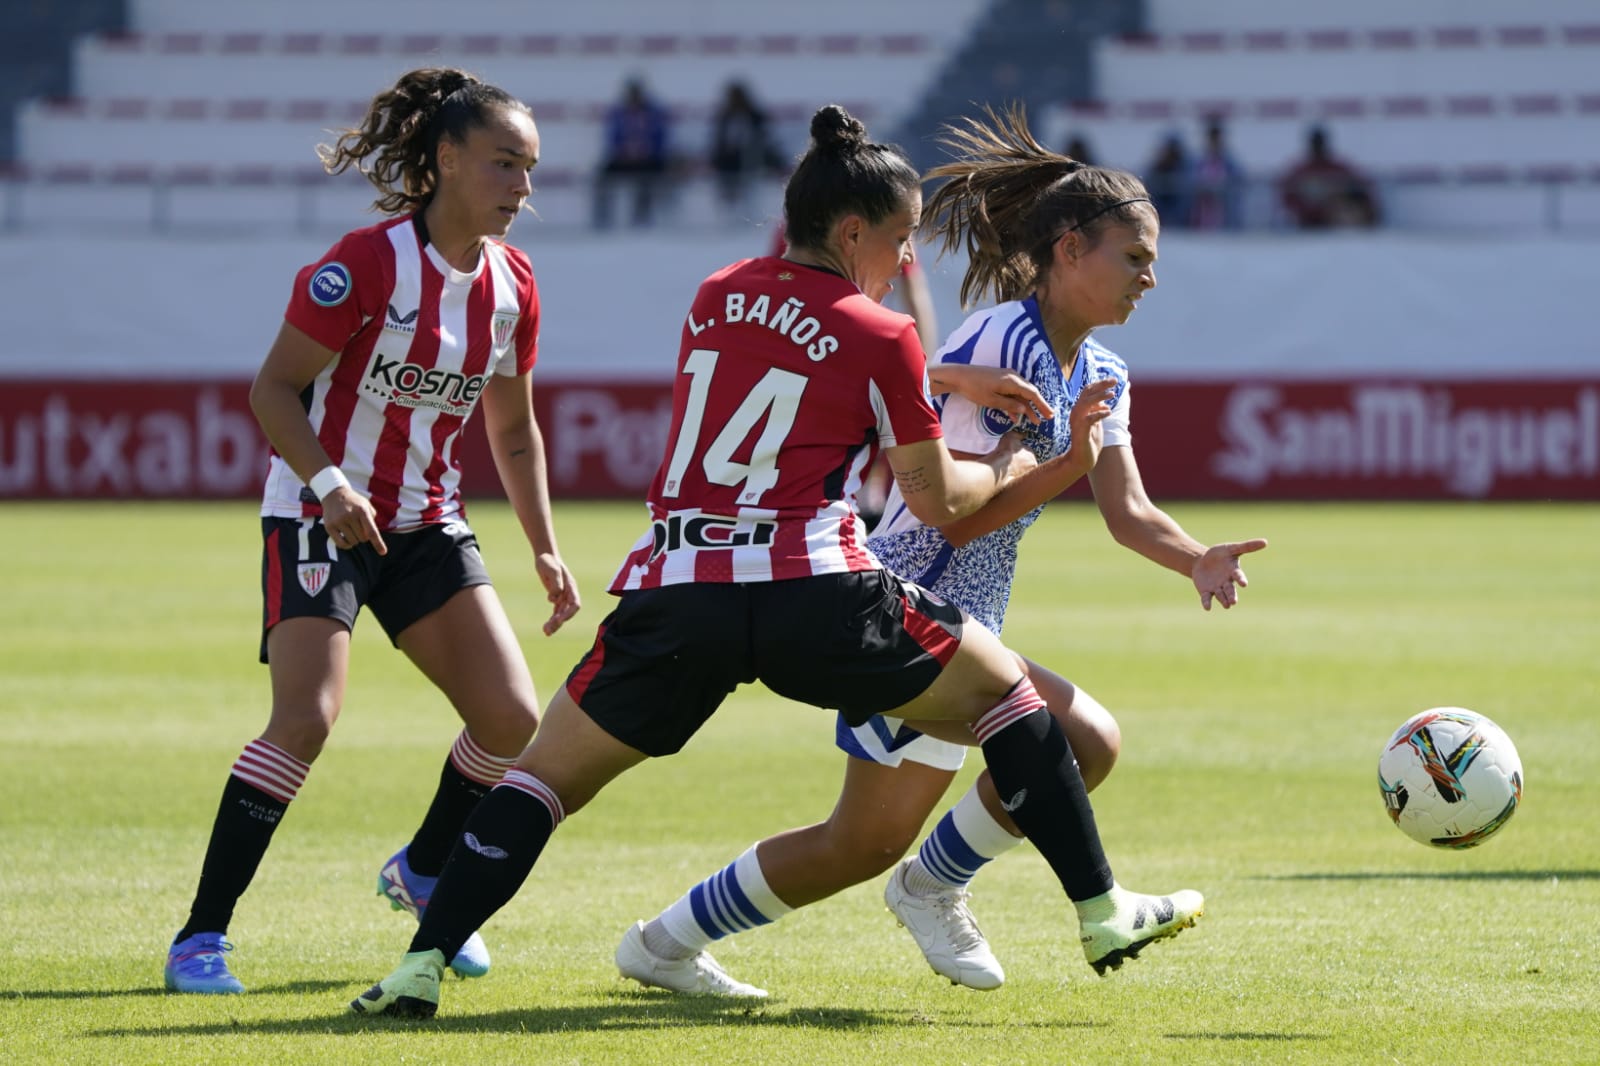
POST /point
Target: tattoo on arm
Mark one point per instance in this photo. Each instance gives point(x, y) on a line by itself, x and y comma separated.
point(913, 480)
point(518, 451)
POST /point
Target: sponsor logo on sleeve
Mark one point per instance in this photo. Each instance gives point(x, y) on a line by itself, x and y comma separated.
point(997, 422)
point(330, 285)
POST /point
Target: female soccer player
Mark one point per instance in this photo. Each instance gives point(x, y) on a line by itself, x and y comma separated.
point(388, 343)
point(790, 377)
point(1069, 248)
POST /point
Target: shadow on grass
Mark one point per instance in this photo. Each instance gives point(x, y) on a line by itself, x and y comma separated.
point(158, 990)
point(1441, 875)
point(621, 1012)
point(1245, 1036)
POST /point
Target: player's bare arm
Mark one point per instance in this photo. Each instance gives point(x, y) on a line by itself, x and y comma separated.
point(1137, 523)
point(518, 449)
point(1047, 480)
point(292, 363)
point(991, 386)
point(938, 488)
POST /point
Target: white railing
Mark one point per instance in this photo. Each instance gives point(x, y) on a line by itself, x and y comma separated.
point(276, 199)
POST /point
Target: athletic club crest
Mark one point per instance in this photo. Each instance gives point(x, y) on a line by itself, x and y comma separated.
point(314, 576)
point(503, 326)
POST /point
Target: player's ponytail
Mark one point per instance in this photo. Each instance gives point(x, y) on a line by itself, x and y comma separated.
point(1007, 199)
point(402, 129)
point(843, 173)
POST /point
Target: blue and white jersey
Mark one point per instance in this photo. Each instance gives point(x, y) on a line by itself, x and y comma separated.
point(977, 576)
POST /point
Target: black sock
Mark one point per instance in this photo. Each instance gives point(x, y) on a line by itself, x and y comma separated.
point(1040, 787)
point(458, 794)
point(493, 855)
point(239, 838)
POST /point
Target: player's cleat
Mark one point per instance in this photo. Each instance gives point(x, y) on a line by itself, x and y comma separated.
point(697, 975)
point(409, 891)
point(945, 930)
point(1117, 925)
point(195, 964)
point(412, 991)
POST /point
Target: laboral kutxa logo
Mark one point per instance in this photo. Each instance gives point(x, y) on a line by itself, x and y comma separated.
point(330, 285)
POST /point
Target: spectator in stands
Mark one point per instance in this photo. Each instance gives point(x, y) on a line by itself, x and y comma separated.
point(1167, 178)
point(1216, 183)
point(1078, 148)
point(741, 144)
point(1324, 192)
point(389, 341)
point(636, 154)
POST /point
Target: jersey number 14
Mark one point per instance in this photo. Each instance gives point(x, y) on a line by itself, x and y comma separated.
point(775, 398)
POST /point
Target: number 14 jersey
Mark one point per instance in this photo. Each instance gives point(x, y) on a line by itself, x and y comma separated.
point(789, 381)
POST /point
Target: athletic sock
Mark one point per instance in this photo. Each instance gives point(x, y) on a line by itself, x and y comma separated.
point(491, 859)
point(1040, 787)
point(468, 775)
point(965, 838)
point(731, 900)
point(264, 780)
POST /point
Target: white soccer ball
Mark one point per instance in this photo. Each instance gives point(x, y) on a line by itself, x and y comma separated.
point(1450, 778)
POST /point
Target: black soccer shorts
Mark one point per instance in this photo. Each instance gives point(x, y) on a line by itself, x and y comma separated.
point(665, 659)
point(305, 576)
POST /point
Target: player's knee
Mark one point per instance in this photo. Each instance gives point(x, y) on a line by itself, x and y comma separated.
point(1096, 741)
point(509, 728)
point(301, 736)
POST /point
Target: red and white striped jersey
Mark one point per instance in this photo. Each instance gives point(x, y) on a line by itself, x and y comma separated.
point(789, 381)
point(416, 342)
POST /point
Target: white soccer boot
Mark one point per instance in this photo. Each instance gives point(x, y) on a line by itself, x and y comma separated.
point(945, 930)
point(698, 975)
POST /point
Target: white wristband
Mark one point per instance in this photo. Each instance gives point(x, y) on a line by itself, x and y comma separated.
point(326, 480)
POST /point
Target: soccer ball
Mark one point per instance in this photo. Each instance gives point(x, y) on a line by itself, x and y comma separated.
point(1450, 778)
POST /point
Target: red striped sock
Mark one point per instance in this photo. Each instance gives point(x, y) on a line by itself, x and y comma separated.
point(523, 781)
point(271, 769)
point(1021, 701)
point(476, 763)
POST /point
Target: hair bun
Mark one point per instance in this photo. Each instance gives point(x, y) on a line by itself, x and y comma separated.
point(452, 81)
point(834, 127)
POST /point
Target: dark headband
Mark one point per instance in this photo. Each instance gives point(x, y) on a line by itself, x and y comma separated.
point(1110, 207)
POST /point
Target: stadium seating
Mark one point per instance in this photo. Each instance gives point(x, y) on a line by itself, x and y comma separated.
point(251, 92)
point(1480, 94)
point(1444, 93)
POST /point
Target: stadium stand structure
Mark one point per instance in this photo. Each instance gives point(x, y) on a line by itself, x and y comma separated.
point(34, 52)
point(1467, 112)
point(1433, 99)
point(202, 94)
point(1034, 52)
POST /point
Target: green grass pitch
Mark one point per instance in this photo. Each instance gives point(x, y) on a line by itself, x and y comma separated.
point(128, 684)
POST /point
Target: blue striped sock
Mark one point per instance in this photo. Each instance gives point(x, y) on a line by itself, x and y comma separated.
point(732, 900)
point(965, 839)
point(947, 856)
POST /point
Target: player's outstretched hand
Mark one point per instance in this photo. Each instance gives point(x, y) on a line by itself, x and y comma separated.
point(560, 589)
point(1218, 575)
